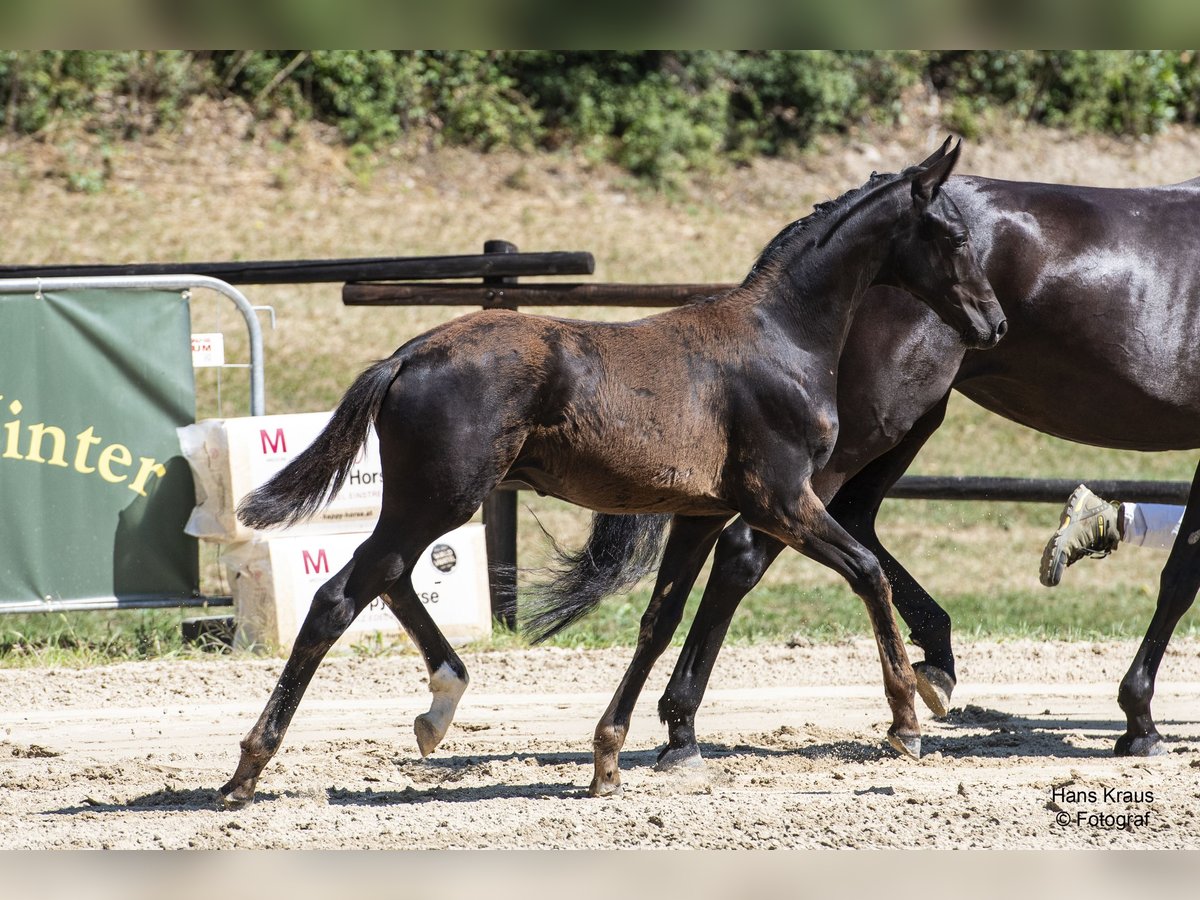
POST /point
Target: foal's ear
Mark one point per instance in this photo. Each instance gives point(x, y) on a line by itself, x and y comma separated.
point(936, 154)
point(928, 181)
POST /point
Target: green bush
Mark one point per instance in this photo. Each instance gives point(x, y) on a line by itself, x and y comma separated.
point(658, 113)
point(125, 92)
point(1113, 91)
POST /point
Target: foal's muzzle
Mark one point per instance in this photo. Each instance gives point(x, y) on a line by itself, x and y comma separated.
point(989, 338)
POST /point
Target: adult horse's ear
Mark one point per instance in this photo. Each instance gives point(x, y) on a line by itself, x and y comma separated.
point(928, 181)
point(936, 154)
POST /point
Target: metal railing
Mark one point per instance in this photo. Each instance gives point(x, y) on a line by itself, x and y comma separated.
point(38, 285)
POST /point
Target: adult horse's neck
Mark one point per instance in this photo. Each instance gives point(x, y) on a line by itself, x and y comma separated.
point(813, 281)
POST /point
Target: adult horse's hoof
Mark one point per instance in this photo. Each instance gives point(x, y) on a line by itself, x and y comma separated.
point(1142, 745)
point(679, 758)
point(935, 687)
point(908, 744)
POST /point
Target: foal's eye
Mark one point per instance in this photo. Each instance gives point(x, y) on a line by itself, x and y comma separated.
point(959, 241)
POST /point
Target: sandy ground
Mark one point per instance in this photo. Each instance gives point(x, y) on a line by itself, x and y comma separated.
point(129, 756)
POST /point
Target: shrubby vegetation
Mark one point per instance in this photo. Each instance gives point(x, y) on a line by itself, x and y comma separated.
point(656, 113)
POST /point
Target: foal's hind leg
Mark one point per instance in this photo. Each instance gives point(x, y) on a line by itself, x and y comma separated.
point(687, 547)
point(448, 677)
point(333, 608)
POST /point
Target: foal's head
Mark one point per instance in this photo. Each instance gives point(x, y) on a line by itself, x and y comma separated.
point(932, 258)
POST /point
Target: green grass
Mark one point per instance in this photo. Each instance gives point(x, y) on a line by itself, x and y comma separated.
point(778, 613)
point(77, 639)
point(772, 613)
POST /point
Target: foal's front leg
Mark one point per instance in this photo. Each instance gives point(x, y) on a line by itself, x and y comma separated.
point(816, 534)
point(687, 547)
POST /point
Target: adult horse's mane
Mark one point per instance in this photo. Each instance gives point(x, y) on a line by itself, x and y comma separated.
point(781, 246)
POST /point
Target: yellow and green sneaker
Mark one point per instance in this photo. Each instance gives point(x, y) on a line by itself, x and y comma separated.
point(1089, 527)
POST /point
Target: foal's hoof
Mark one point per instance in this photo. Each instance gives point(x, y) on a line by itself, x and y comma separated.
point(428, 734)
point(908, 744)
point(603, 787)
point(935, 687)
point(1142, 745)
point(234, 796)
point(679, 758)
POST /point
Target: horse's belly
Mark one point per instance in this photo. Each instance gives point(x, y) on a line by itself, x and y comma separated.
point(1102, 410)
point(609, 480)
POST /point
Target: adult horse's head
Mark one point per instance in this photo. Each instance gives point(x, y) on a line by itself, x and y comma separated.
point(932, 257)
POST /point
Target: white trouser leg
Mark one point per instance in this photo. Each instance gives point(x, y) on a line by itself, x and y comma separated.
point(1150, 524)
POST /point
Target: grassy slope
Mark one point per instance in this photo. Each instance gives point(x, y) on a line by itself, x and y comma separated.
point(216, 191)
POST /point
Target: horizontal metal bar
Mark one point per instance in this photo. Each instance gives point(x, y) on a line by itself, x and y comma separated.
point(1035, 490)
point(311, 271)
point(100, 604)
point(570, 294)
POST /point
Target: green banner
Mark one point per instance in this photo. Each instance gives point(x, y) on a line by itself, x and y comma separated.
point(94, 492)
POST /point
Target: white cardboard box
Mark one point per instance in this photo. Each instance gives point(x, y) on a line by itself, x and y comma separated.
point(273, 582)
point(231, 457)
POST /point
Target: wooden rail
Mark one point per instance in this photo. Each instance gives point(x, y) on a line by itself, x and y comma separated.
point(311, 271)
point(512, 296)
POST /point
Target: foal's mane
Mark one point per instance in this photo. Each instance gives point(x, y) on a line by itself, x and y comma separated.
point(832, 213)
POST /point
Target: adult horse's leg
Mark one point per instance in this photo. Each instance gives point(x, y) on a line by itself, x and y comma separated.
point(375, 565)
point(856, 507)
point(687, 547)
point(448, 677)
point(742, 556)
point(1177, 591)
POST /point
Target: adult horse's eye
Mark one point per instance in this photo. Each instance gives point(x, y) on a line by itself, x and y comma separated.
point(960, 241)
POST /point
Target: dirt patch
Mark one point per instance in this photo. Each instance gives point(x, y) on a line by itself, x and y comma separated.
point(130, 756)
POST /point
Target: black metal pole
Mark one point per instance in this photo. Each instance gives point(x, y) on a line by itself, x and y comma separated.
point(500, 508)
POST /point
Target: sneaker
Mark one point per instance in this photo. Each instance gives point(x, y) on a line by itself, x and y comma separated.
point(1088, 528)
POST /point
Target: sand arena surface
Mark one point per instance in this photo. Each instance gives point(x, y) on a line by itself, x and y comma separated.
point(130, 756)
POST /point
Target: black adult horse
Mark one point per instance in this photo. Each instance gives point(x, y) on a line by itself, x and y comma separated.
point(599, 414)
point(1102, 293)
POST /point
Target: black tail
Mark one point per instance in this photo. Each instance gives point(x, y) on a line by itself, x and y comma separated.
point(619, 552)
point(311, 480)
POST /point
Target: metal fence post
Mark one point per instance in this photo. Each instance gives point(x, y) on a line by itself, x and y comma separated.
point(500, 508)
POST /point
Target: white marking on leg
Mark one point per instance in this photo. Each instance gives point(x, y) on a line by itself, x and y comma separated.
point(447, 688)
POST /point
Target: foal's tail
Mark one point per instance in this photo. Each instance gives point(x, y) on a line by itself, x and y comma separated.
point(619, 552)
point(311, 480)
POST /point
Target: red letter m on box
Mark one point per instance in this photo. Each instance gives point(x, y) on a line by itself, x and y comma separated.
point(278, 444)
point(320, 564)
